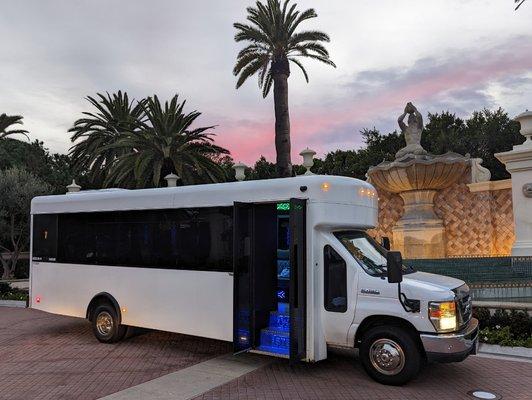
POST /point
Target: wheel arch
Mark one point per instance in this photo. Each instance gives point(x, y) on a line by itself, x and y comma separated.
point(102, 298)
point(387, 320)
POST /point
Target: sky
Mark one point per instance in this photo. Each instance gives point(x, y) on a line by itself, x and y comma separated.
point(456, 55)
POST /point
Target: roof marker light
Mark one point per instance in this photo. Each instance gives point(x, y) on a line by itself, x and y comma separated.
point(325, 186)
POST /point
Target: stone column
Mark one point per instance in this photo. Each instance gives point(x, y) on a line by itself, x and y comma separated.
point(519, 163)
point(419, 233)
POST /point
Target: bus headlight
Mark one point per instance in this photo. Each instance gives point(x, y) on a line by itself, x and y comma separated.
point(443, 315)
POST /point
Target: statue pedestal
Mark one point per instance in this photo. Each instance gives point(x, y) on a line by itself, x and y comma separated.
point(419, 233)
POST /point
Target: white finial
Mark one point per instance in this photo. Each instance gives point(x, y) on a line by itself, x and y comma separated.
point(73, 187)
point(525, 119)
point(240, 171)
point(308, 159)
point(171, 180)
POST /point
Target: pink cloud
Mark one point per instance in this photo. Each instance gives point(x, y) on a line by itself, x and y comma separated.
point(423, 83)
point(247, 140)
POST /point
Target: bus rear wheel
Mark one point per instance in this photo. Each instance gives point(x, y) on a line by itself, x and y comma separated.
point(390, 355)
point(105, 325)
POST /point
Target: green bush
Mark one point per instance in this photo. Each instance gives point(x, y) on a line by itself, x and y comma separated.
point(502, 336)
point(9, 293)
point(483, 315)
point(506, 328)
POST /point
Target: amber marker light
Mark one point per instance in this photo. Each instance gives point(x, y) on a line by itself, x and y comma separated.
point(325, 186)
point(367, 192)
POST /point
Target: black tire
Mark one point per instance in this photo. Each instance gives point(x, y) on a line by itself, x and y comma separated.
point(105, 325)
point(395, 341)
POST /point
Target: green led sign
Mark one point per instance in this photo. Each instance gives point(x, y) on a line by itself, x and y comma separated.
point(283, 206)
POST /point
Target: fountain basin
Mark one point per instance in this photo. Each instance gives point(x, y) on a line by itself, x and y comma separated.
point(425, 172)
point(417, 178)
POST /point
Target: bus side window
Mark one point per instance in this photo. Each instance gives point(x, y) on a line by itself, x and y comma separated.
point(335, 281)
point(44, 237)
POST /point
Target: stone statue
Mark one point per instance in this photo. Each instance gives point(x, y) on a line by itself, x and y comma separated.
point(412, 132)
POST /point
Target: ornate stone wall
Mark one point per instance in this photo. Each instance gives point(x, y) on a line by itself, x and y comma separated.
point(478, 217)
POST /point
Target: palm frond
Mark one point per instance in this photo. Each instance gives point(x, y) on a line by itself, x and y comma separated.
point(165, 138)
point(272, 36)
point(95, 135)
point(296, 62)
point(7, 121)
point(267, 84)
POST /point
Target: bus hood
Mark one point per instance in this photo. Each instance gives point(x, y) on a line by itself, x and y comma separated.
point(430, 286)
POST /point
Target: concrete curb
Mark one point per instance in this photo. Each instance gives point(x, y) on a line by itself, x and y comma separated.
point(497, 350)
point(13, 303)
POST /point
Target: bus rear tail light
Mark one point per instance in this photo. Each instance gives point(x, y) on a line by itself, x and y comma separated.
point(38, 299)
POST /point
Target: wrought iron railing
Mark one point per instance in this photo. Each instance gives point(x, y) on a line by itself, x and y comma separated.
point(490, 278)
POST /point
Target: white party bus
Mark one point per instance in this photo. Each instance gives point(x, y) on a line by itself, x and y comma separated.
point(281, 267)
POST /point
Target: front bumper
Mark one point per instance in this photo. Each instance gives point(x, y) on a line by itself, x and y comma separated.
point(452, 347)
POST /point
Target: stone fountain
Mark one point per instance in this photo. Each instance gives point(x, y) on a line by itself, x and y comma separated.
point(417, 176)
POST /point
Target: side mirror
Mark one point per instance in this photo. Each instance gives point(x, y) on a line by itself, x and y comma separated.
point(394, 266)
point(385, 242)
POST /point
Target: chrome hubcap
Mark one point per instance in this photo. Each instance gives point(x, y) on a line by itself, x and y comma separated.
point(104, 323)
point(387, 357)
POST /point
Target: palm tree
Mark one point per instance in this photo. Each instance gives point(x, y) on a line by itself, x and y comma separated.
point(8, 120)
point(114, 116)
point(166, 144)
point(273, 44)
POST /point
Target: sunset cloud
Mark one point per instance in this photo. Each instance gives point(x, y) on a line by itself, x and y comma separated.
point(459, 82)
point(447, 55)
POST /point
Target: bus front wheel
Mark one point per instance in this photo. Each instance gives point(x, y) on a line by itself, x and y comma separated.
point(390, 355)
point(105, 325)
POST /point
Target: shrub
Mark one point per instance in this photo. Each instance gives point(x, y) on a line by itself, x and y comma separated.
point(502, 336)
point(483, 315)
point(506, 328)
point(9, 293)
point(4, 287)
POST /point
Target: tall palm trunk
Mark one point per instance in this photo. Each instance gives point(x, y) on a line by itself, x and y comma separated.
point(280, 73)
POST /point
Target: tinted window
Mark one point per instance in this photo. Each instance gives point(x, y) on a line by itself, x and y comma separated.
point(195, 239)
point(335, 281)
point(44, 237)
point(369, 254)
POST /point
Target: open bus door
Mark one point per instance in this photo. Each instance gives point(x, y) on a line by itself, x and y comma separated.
point(255, 271)
point(255, 275)
point(298, 279)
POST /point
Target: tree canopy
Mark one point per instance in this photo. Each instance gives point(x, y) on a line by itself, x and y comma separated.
point(18, 187)
point(274, 42)
point(134, 144)
point(54, 169)
point(481, 136)
point(166, 143)
point(96, 134)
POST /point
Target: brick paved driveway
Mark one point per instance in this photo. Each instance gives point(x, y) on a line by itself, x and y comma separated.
point(339, 377)
point(43, 356)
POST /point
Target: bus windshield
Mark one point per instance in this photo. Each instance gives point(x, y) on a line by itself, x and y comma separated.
point(368, 253)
